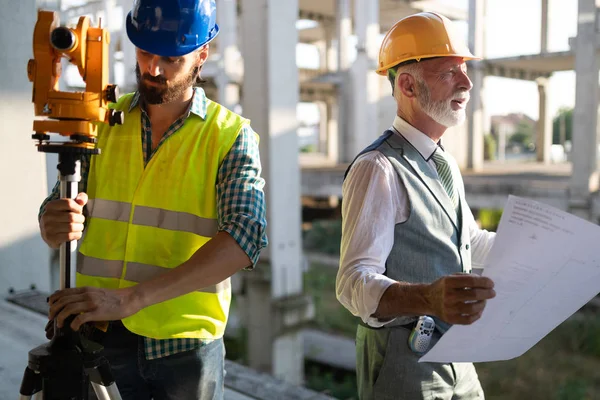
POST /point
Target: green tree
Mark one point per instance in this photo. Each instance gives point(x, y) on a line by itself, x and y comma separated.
point(523, 134)
point(567, 115)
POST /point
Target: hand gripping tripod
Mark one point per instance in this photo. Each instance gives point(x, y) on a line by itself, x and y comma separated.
point(64, 368)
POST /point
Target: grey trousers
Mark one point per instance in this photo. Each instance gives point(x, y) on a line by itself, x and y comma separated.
point(386, 368)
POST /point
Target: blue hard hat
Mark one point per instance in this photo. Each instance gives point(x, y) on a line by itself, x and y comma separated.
point(172, 28)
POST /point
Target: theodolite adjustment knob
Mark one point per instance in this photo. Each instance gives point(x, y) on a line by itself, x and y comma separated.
point(112, 93)
point(116, 117)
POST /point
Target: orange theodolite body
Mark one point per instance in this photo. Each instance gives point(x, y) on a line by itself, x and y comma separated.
point(71, 113)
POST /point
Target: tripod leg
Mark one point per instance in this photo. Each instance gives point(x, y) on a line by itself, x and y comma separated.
point(102, 381)
point(31, 386)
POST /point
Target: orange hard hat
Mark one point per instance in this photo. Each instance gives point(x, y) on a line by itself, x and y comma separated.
point(418, 36)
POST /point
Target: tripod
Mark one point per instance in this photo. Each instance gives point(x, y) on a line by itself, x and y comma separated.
point(64, 368)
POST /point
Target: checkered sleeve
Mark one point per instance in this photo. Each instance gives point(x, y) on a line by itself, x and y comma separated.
point(55, 193)
point(240, 196)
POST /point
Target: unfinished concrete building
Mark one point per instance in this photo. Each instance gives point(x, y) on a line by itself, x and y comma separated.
point(253, 69)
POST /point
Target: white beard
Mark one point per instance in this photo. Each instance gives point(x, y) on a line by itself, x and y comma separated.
point(441, 111)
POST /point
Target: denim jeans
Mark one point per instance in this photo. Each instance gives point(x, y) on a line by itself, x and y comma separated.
point(190, 375)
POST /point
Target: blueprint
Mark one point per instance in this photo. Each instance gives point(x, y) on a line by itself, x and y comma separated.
point(545, 264)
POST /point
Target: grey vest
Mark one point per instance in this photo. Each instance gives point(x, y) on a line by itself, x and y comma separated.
point(431, 242)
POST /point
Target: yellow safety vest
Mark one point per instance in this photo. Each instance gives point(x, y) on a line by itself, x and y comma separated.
point(144, 221)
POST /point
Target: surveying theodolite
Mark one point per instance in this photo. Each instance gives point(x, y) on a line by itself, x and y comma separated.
point(64, 368)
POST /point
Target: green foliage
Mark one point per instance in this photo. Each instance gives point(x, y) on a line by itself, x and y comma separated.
point(573, 389)
point(489, 147)
point(523, 135)
point(565, 365)
point(339, 385)
point(324, 237)
point(309, 148)
point(237, 347)
point(330, 315)
point(580, 336)
point(567, 114)
point(489, 218)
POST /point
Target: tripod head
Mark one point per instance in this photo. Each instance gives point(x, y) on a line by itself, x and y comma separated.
point(71, 114)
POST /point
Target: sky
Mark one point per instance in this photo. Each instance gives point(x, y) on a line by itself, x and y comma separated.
point(512, 29)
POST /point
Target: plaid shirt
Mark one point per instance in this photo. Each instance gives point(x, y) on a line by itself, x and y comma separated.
point(241, 205)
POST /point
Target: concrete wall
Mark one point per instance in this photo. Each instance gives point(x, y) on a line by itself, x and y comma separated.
point(23, 255)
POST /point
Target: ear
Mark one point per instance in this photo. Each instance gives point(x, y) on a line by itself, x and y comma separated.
point(406, 84)
point(202, 55)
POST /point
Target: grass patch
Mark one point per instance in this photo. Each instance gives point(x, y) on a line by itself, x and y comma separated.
point(565, 365)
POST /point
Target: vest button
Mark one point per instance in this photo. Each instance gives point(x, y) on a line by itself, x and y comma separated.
point(467, 246)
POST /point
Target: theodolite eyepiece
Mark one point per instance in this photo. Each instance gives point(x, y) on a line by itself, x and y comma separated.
point(63, 39)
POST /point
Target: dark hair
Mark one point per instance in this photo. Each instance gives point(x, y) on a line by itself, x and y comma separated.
point(199, 81)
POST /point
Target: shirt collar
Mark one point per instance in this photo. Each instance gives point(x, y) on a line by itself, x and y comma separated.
point(199, 104)
point(420, 141)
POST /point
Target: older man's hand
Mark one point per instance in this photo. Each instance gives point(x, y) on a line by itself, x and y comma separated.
point(460, 299)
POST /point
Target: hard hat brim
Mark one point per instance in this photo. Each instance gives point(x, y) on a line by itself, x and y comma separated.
point(383, 70)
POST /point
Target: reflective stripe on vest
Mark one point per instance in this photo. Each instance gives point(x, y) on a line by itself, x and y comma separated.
point(155, 217)
point(136, 272)
point(107, 209)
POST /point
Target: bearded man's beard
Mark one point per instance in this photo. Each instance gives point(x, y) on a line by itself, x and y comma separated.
point(162, 93)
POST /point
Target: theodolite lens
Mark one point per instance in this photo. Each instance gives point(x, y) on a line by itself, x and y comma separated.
point(63, 39)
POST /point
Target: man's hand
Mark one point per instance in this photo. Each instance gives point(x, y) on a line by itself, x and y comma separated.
point(92, 304)
point(460, 299)
point(62, 220)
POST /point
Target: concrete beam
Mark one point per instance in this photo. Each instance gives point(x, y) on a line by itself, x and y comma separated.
point(475, 111)
point(544, 27)
point(364, 82)
point(343, 25)
point(271, 76)
point(544, 124)
point(229, 60)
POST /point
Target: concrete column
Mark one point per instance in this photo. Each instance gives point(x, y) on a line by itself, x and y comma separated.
point(333, 109)
point(562, 129)
point(502, 143)
point(331, 47)
point(129, 61)
point(108, 23)
point(322, 48)
point(324, 132)
point(544, 124)
point(544, 28)
point(271, 95)
point(24, 257)
point(343, 32)
point(475, 110)
point(364, 81)
point(584, 178)
point(228, 91)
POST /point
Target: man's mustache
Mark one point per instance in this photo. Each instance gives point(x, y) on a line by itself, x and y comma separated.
point(155, 79)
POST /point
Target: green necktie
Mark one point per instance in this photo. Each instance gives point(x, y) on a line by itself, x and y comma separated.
point(445, 173)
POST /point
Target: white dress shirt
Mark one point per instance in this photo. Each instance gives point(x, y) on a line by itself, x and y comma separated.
point(374, 201)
